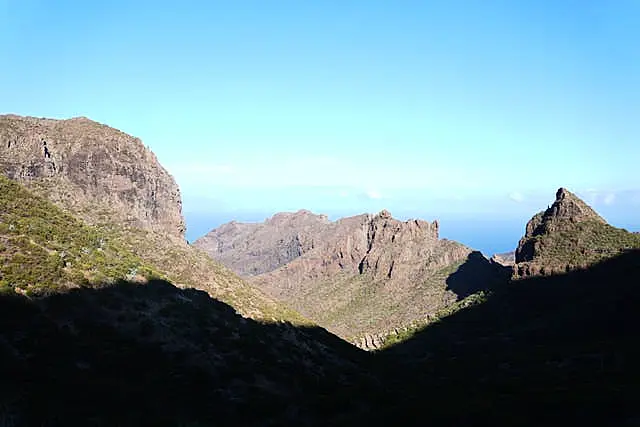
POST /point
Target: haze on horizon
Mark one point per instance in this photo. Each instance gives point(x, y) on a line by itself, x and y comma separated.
point(471, 112)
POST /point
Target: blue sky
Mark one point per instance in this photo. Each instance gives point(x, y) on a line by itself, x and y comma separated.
point(472, 112)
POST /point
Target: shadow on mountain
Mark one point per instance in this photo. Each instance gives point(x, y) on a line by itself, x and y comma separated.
point(153, 354)
point(476, 274)
point(558, 350)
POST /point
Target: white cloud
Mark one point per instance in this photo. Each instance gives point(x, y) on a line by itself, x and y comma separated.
point(516, 196)
point(373, 194)
point(609, 199)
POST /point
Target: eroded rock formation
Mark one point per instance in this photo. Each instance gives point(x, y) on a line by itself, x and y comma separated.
point(90, 167)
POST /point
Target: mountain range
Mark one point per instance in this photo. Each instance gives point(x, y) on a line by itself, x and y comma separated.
point(108, 317)
point(361, 277)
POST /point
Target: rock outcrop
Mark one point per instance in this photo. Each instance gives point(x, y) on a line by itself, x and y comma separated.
point(253, 249)
point(358, 275)
point(506, 259)
point(569, 235)
point(91, 168)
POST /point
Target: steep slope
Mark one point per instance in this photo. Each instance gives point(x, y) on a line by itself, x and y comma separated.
point(362, 275)
point(114, 183)
point(568, 235)
point(44, 250)
point(94, 170)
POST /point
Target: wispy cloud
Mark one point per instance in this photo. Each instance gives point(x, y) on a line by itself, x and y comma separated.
point(373, 194)
point(609, 199)
point(516, 196)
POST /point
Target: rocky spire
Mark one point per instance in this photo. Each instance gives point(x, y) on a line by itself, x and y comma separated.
point(566, 236)
point(569, 206)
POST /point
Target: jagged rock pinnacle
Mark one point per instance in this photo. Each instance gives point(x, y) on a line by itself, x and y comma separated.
point(569, 206)
point(385, 214)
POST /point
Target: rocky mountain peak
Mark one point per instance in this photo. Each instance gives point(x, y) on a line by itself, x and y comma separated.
point(567, 209)
point(384, 214)
point(92, 169)
point(569, 206)
point(566, 236)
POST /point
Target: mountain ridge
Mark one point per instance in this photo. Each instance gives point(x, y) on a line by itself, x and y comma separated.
point(357, 276)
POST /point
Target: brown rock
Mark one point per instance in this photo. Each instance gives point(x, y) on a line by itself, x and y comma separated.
point(506, 259)
point(357, 275)
point(90, 167)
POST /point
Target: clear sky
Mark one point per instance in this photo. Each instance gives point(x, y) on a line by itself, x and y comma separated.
point(472, 112)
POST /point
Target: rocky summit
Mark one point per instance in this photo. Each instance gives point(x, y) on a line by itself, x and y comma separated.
point(361, 277)
point(567, 236)
point(98, 172)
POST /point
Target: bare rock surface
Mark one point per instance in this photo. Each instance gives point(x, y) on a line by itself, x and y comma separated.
point(91, 168)
point(506, 259)
point(253, 249)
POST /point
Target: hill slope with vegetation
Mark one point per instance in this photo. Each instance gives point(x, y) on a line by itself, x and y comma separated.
point(567, 236)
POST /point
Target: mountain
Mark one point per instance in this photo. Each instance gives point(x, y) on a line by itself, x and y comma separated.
point(251, 249)
point(94, 170)
point(567, 236)
point(109, 181)
point(360, 277)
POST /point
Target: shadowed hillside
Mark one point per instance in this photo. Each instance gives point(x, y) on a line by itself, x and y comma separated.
point(151, 354)
point(555, 350)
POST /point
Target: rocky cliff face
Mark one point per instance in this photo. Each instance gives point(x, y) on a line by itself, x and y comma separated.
point(567, 236)
point(106, 177)
point(253, 249)
point(91, 168)
point(359, 275)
